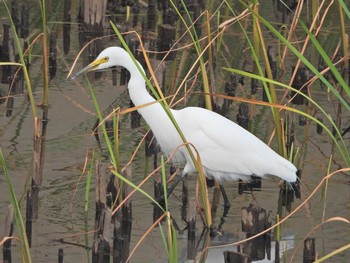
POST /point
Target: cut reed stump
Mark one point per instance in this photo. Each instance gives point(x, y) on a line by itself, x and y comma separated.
point(255, 220)
point(53, 55)
point(8, 230)
point(11, 75)
point(25, 20)
point(184, 197)
point(122, 225)
point(136, 11)
point(253, 185)
point(235, 257)
point(151, 15)
point(5, 54)
point(135, 119)
point(101, 245)
point(165, 40)
point(191, 228)
point(29, 216)
point(92, 21)
point(309, 253)
point(151, 149)
point(60, 255)
point(302, 76)
point(32, 207)
point(66, 25)
point(158, 193)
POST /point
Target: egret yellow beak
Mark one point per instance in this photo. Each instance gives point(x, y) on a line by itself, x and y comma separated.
point(91, 67)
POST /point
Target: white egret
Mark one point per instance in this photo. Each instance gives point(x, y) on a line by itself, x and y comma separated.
point(227, 151)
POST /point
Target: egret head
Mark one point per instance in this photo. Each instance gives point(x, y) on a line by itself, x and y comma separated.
point(110, 57)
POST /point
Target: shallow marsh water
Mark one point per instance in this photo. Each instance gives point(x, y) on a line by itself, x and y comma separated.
point(69, 140)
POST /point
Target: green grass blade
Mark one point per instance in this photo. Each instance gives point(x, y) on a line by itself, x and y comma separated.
point(330, 64)
point(175, 259)
point(195, 40)
point(122, 178)
point(164, 184)
point(345, 8)
point(24, 68)
point(116, 140)
point(164, 239)
point(88, 185)
point(24, 245)
point(301, 57)
point(104, 131)
point(270, 91)
point(333, 253)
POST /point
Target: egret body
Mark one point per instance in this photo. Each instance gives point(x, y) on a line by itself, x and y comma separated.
point(227, 151)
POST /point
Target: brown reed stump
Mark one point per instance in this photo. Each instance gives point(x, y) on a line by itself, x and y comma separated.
point(151, 15)
point(286, 197)
point(92, 23)
point(165, 39)
point(136, 11)
point(135, 121)
point(191, 228)
point(302, 76)
point(32, 205)
point(25, 20)
point(29, 216)
point(126, 217)
point(255, 220)
point(235, 257)
point(184, 197)
point(242, 116)
point(158, 193)
point(309, 252)
point(151, 146)
point(151, 149)
point(14, 14)
point(101, 244)
point(319, 128)
point(12, 75)
point(123, 225)
point(277, 251)
point(66, 25)
point(272, 56)
point(5, 54)
point(60, 255)
point(53, 55)
point(37, 176)
point(8, 230)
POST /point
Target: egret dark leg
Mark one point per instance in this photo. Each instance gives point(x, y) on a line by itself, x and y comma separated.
point(178, 178)
point(175, 183)
point(227, 204)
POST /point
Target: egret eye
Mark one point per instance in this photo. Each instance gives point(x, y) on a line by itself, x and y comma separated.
point(106, 58)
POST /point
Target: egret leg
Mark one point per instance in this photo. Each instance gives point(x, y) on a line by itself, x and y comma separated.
point(227, 204)
point(171, 188)
point(175, 183)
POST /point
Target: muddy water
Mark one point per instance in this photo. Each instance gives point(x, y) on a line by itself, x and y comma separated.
point(69, 141)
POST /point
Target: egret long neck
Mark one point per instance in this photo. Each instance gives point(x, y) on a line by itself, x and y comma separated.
point(138, 92)
point(154, 114)
point(136, 86)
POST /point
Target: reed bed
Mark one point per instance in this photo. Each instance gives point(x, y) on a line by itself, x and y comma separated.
point(199, 77)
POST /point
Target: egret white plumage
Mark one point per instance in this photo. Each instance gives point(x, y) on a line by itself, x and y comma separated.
point(227, 151)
